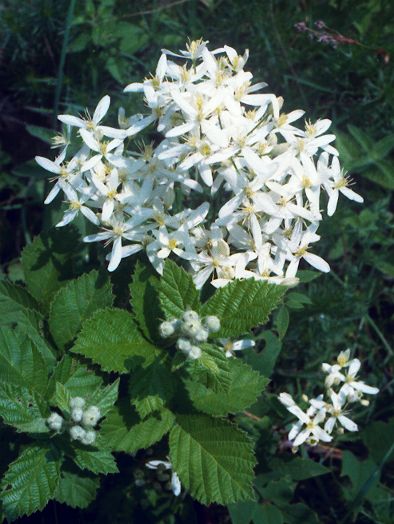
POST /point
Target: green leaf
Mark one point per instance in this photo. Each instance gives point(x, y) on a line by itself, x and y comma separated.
point(282, 321)
point(76, 302)
point(267, 514)
point(76, 377)
point(242, 305)
point(30, 482)
point(213, 366)
point(177, 291)
point(246, 385)
point(213, 459)
point(14, 300)
point(298, 468)
point(296, 513)
point(122, 430)
point(378, 437)
point(361, 475)
point(242, 512)
point(105, 398)
point(151, 388)
point(62, 398)
point(23, 410)
point(145, 300)
point(43, 133)
point(20, 361)
point(112, 340)
point(97, 461)
point(76, 489)
point(48, 263)
point(266, 359)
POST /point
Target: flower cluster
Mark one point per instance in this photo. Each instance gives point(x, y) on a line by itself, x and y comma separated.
point(247, 180)
point(162, 466)
point(81, 422)
point(190, 331)
point(342, 377)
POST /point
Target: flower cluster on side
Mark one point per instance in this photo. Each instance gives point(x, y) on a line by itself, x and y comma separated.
point(342, 389)
point(81, 422)
point(254, 178)
point(162, 466)
point(190, 331)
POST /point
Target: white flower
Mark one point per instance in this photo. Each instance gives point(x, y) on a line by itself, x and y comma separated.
point(337, 183)
point(230, 346)
point(308, 428)
point(336, 413)
point(55, 421)
point(175, 482)
point(352, 386)
point(167, 328)
point(91, 416)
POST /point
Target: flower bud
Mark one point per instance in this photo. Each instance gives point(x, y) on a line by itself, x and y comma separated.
point(202, 336)
point(77, 402)
point(55, 421)
point(77, 433)
point(212, 323)
point(76, 414)
point(89, 438)
point(190, 316)
point(91, 416)
point(194, 353)
point(166, 329)
point(183, 345)
point(191, 327)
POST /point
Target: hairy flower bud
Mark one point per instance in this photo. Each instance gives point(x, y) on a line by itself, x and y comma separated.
point(76, 414)
point(190, 316)
point(91, 416)
point(167, 328)
point(201, 336)
point(212, 323)
point(183, 345)
point(77, 402)
point(55, 421)
point(89, 438)
point(194, 353)
point(77, 432)
point(191, 327)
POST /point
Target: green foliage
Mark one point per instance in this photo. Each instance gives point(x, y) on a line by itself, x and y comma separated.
point(243, 304)
point(111, 339)
point(213, 459)
point(123, 431)
point(76, 302)
point(76, 490)
point(95, 461)
point(245, 387)
point(23, 410)
point(30, 481)
point(177, 292)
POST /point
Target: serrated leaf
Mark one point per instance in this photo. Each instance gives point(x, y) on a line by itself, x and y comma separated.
point(145, 300)
point(47, 263)
point(30, 482)
point(20, 361)
point(13, 300)
point(99, 461)
point(282, 321)
point(76, 302)
point(212, 366)
point(265, 360)
point(22, 409)
point(298, 468)
point(112, 340)
point(77, 490)
point(246, 385)
point(76, 377)
point(213, 459)
point(151, 388)
point(122, 429)
point(62, 398)
point(242, 305)
point(177, 291)
point(105, 398)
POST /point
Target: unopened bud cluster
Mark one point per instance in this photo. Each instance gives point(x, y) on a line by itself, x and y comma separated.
point(190, 330)
point(81, 422)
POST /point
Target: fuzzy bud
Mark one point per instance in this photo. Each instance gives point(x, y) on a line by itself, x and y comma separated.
point(212, 323)
point(77, 402)
point(194, 353)
point(77, 433)
point(91, 416)
point(191, 327)
point(76, 414)
point(167, 329)
point(55, 421)
point(190, 316)
point(202, 336)
point(89, 438)
point(183, 345)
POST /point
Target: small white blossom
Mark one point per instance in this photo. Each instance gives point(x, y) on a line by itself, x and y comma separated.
point(89, 438)
point(77, 432)
point(77, 414)
point(161, 464)
point(212, 323)
point(55, 421)
point(77, 402)
point(91, 416)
